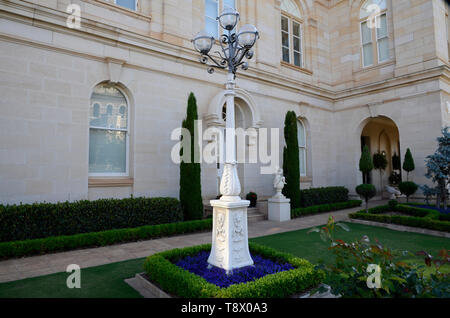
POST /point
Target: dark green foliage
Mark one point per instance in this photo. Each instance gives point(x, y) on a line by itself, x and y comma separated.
point(324, 208)
point(291, 163)
point(365, 162)
point(253, 198)
point(408, 188)
point(379, 161)
point(38, 220)
point(396, 164)
point(95, 239)
point(415, 217)
point(395, 178)
point(392, 203)
point(316, 196)
point(190, 172)
point(181, 283)
point(408, 163)
point(366, 191)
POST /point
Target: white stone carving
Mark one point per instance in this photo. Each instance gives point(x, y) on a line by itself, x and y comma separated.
point(229, 249)
point(278, 183)
point(279, 205)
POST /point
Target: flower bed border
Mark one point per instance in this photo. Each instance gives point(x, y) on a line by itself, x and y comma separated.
point(182, 283)
point(415, 217)
point(96, 239)
point(322, 208)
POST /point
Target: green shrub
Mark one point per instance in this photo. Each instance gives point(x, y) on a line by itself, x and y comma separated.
point(407, 188)
point(94, 239)
point(392, 203)
point(181, 283)
point(415, 217)
point(317, 196)
point(408, 163)
point(39, 220)
point(366, 191)
point(324, 208)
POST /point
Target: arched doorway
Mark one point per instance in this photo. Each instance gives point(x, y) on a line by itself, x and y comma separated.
point(381, 135)
point(243, 121)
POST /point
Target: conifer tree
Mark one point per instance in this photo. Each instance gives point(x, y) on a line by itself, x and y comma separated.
point(190, 173)
point(408, 163)
point(291, 163)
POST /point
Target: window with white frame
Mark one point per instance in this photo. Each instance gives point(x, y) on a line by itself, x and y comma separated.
point(291, 34)
point(108, 132)
point(301, 136)
point(212, 8)
point(374, 32)
point(129, 4)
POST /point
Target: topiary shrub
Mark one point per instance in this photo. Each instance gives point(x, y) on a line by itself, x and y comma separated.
point(324, 195)
point(408, 163)
point(407, 188)
point(366, 191)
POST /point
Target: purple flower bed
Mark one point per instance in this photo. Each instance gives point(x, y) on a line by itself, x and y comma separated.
point(433, 208)
point(198, 264)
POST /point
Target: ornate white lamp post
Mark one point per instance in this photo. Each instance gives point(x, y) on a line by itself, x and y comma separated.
point(229, 248)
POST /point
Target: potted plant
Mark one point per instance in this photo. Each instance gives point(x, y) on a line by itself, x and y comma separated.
point(252, 197)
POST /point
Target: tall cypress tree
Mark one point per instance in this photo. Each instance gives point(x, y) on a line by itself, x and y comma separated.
point(408, 163)
point(190, 172)
point(291, 163)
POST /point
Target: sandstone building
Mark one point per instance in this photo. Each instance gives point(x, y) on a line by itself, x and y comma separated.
point(88, 112)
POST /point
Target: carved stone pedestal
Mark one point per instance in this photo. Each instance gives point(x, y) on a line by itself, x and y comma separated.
point(229, 248)
point(279, 209)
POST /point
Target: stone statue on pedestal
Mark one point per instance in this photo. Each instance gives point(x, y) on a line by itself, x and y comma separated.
point(278, 183)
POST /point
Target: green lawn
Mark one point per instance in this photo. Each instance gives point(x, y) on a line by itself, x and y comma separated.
point(108, 280)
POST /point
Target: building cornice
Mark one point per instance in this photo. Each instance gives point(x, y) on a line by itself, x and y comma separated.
point(54, 20)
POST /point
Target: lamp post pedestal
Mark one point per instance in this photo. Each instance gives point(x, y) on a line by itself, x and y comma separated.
point(229, 248)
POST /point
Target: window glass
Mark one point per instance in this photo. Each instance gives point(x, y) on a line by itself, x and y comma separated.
point(367, 54)
point(229, 4)
point(129, 4)
point(383, 50)
point(382, 30)
point(107, 151)
point(211, 13)
point(108, 131)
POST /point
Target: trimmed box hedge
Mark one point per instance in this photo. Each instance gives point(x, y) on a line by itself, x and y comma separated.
point(415, 217)
point(318, 196)
point(324, 208)
point(39, 220)
point(96, 239)
point(177, 281)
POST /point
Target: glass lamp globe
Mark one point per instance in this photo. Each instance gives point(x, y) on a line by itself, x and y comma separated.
point(228, 18)
point(247, 36)
point(203, 42)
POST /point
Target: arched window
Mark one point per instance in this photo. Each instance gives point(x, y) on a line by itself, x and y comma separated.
point(301, 135)
point(212, 11)
point(374, 32)
point(108, 136)
point(291, 33)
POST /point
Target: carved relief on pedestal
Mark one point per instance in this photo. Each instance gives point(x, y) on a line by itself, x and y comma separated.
point(220, 238)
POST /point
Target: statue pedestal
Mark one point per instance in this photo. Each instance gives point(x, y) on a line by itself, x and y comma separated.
point(229, 248)
point(279, 209)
